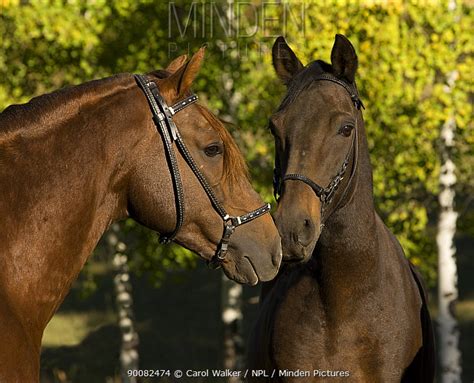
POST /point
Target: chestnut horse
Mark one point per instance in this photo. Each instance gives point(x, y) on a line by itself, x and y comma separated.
point(74, 161)
point(347, 306)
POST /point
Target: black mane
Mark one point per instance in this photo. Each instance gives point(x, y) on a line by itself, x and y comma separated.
point(303, 80)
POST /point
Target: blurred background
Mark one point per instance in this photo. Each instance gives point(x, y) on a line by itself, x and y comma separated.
point(415, 77)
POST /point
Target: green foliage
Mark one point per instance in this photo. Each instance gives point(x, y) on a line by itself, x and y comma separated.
point(149, 257)
point(406, 50)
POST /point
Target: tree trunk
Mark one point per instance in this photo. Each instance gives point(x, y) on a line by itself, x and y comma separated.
point(450, 355)
point(232, 322)
point(123, 292)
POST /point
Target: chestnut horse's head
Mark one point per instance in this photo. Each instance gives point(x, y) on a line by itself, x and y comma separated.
point(315, 130)
point(254, 248)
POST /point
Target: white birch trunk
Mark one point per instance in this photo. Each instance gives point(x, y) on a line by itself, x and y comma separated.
point(123, 294)
point(450, 355)
point(232, 323)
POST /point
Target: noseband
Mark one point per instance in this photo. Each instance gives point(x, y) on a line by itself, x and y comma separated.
point(325, 194)
point(162, 116)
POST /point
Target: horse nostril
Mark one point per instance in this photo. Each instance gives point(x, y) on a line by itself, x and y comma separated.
point(306, 232)
point(294, 236)
point(308, 224)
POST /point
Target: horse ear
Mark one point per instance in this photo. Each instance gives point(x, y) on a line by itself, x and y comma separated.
point(285, 62)
point(182, 79)
point(177, 63)
point(344, 58)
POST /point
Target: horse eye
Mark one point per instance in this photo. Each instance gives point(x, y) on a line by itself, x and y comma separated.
point(346, 130)
point(213, 150)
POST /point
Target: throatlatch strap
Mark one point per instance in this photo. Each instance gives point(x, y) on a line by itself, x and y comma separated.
point(161, 119)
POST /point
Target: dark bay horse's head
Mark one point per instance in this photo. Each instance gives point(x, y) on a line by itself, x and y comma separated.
point(315, 134)
point(255, 248)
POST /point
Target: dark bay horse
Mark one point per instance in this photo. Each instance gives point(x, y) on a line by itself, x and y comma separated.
point(347, 306)
point(78, 159)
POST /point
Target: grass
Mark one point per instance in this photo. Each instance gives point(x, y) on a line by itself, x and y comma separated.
point(178, 325)
point(71, 328)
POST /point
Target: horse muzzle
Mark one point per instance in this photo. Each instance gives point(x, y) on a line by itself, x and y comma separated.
point(299, 233)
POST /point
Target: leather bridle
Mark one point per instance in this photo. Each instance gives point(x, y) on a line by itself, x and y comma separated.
point(325, 194)
point(162, 116)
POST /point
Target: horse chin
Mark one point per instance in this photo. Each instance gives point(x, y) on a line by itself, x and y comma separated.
point(297, 253)
point(251, 269)
point(240, 271)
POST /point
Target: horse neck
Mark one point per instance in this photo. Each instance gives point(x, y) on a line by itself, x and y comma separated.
point(69, 195)
point(346, 253)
